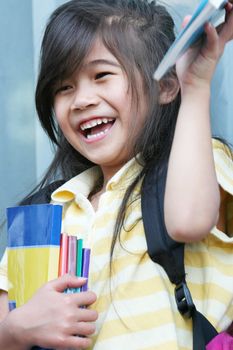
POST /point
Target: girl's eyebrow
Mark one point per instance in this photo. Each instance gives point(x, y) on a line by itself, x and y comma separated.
point(103, 61)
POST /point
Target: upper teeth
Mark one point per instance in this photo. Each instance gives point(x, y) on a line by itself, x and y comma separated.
point(94, 122)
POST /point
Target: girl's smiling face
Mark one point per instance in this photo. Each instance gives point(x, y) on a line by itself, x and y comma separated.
point(95, 111)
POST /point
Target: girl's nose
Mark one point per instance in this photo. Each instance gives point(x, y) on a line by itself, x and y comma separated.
point(84, 99)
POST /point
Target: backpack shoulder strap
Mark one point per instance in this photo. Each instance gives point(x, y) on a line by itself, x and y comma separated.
point(169, 254)
point(161, 248)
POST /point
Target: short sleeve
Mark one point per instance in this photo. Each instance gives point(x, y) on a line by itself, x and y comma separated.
point(223, 159)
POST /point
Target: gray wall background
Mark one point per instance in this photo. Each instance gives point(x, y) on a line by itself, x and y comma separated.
point(25, 151)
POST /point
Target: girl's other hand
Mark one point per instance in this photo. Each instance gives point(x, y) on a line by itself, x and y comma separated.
point(196, 67)
point(53, 319)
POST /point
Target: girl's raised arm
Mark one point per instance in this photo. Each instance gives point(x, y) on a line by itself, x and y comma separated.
point(192, 193)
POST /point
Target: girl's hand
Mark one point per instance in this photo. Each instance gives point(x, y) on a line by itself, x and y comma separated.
point(196, 67)
point(53, 319)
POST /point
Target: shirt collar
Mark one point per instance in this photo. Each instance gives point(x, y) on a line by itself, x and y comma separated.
point(125, 176)
point(80, 184)
point(84, 182)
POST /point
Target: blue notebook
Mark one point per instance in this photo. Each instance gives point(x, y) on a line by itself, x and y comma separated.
point(33, 249)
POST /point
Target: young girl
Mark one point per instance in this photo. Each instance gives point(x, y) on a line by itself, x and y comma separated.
point(98, 102)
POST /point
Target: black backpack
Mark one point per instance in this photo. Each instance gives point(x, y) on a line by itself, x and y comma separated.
point(168, 253)
point(161, 248)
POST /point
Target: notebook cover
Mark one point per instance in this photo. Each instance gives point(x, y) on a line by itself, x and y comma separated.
point(33, 249)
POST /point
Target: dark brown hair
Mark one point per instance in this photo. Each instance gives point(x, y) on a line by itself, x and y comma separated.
point(138, 34)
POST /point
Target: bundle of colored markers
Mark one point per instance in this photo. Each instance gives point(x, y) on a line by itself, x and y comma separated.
point(73, 259)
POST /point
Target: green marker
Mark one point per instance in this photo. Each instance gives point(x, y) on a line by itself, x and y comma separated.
point(79, 257)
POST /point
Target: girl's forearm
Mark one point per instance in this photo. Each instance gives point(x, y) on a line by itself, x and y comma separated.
point(10, 338)
point(192, 193)
point(4, 310)
point(8, 334)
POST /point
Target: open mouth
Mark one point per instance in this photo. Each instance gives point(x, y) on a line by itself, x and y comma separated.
point(96, 128)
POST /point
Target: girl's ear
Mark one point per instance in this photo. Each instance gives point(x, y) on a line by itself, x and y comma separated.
point(168, 90)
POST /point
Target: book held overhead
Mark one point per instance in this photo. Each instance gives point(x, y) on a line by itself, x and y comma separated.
point(206, 11)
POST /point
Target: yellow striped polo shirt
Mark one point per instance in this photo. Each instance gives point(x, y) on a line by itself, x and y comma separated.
point(136, 306)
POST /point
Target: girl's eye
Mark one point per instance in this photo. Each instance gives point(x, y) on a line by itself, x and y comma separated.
point(63, 89)
point(102, 75)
